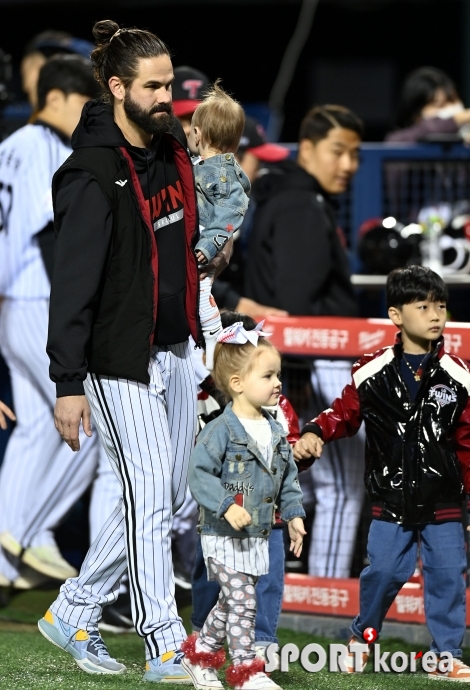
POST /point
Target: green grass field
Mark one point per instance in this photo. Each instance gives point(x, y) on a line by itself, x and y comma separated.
point(29, 662)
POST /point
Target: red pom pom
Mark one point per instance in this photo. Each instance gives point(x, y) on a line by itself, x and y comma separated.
point(239, 674)
point(203, 659)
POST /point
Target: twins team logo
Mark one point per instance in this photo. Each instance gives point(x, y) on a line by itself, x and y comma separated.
point(443, 395)
point(192, 86)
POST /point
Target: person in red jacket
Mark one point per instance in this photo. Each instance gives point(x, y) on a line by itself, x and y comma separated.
point(270, 587)
point(414, 400)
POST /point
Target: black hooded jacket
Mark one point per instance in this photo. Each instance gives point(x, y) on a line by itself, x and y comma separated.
point(296, 260)
point(125, 273)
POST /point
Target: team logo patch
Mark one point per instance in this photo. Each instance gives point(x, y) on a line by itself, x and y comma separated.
point(443, 395)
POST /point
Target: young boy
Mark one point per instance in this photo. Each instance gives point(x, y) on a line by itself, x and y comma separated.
point(414, 400)
point(222, 188)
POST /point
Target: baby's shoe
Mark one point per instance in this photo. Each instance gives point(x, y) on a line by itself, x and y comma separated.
point(202, 666)
point(250, 675)
point(210, 337)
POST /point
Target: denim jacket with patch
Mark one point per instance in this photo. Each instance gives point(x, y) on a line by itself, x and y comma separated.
point(227, 467)
point(222, 188)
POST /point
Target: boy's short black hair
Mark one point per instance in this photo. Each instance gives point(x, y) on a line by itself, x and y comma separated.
point(69, 74)
point(413, 284)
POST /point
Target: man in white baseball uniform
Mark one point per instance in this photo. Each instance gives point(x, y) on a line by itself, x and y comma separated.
point(124, 302)
point(40, 478)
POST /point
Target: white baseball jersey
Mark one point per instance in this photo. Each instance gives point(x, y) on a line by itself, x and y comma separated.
point(28, 160)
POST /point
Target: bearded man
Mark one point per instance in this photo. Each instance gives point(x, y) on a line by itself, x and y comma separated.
point(123, 306)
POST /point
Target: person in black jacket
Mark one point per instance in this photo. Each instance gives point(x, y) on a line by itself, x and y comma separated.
point(297, 262)
point(124, 301)
point(294, 231)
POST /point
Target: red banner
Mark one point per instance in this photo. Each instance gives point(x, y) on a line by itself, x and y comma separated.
point(338, 597)
point(335, 336)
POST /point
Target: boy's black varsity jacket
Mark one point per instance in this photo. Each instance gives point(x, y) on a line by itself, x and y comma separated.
point(104, 292)
point(417, 454)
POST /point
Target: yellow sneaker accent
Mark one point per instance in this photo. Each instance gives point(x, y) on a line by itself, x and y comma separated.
point(49, 617)
point(147, 666)
point(82, 635)
point(167, 655)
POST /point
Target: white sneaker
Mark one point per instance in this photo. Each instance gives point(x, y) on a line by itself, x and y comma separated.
point(48, 561)
point(45, 559)
point(4, 581)
point(260, 681)
point(203, 678)
point(9, 543)
point(351, 659)
point(261, 652)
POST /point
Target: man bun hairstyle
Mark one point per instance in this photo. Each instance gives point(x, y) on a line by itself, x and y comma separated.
point(119, 50)
point(319, 120)
point(414, 284)
point(221, 119)
point(68, 73)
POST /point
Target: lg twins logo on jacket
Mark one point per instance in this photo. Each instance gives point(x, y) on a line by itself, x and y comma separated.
point(443, 395)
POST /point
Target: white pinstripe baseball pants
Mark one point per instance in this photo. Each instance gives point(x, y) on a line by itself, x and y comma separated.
point(335, 483)
point(41, 477)
point(148, 433)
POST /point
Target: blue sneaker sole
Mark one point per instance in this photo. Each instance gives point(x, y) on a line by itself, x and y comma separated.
point(52, 635)
point(178, 678)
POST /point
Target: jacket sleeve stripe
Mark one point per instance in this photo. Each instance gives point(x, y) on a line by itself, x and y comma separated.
point(373, 366)
point(456, 371)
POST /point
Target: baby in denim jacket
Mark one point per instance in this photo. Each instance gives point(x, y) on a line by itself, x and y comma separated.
point(222, 192)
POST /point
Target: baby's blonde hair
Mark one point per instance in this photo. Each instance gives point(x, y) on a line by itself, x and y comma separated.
point(221, 120)
point(230, 359)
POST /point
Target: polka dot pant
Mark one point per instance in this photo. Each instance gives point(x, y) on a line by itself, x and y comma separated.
point(233, 617)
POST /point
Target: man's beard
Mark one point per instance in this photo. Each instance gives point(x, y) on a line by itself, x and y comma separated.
point(145, 118)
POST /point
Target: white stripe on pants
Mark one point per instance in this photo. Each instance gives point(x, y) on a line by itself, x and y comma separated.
point(41, 477)
point(335, 483)
point(148, 433)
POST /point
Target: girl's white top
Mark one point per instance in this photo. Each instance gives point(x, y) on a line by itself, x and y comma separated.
point(251, 554)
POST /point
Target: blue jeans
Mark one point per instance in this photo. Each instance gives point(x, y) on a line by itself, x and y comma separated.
point(269, 591)
point(392, 551)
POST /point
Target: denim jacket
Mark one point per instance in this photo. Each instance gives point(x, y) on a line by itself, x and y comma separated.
point(226, 463)
point(222, 188)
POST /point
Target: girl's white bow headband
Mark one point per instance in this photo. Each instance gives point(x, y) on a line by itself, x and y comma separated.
point(236, 334)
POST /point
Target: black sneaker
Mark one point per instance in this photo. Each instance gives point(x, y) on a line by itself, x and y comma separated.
point(117, 617)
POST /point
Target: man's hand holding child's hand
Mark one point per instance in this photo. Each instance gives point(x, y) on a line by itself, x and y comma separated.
point(237, 517)
point(310, 445)
point(296, 534)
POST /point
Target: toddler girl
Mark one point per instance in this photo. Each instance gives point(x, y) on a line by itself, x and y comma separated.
point(241, 469)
